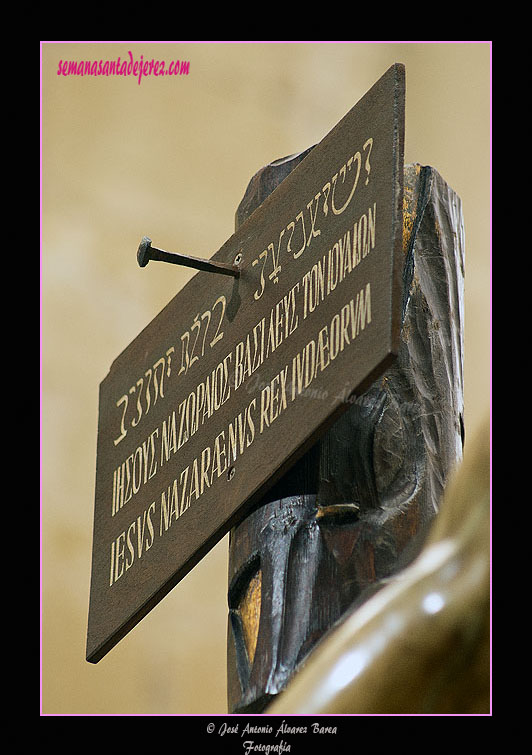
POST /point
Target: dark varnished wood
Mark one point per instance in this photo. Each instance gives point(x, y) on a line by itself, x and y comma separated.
point(354, 510)
point(422, 643)
point(163, 500)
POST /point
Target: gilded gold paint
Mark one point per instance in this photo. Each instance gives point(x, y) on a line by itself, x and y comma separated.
point(250, 614)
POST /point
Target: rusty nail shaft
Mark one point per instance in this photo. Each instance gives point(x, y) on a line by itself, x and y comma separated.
point(147, 252)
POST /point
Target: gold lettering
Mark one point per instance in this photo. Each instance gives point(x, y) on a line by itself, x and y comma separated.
point(334, 337)
point(137, 471)
point(205, 464)
point(130, 546)
point(263, 255)
point(326, 189)
point(251, 425)
point(239, 367)
point(356, 246)
point(112, 563)
point(129, 492)
point(236, 436)
point(274, 396)
point(148, 374)
point(226, 384)
point(169, 507)
point(140, 533)
point(310, 360)
point(183, 424)
point(365, 307)
point(153, 463)
point(283, 375)
point(290, 305)
point(372, 224)
point(169, 438)
point(343, 171)
point(185, 503)
point(273, 399)
point(300, 251)
point(313, 232)
point(118, 489)
point(278, 324)
point(264, 406)
point(159, 390)
point(207, 411)
point(344, 338)
point(119, 570)
point(346, 253)
point(123, 432)
point(363, 235)
point(219, 455)
point(258, 354)
point(149, 543)
point(271, 335)
point(323, 349)
point(200, 400)
point(194, 481)
point(333, 268)
point(360, 311)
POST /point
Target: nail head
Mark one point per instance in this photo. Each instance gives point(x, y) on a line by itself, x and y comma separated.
point(143, 252)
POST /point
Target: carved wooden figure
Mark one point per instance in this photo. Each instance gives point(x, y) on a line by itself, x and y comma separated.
point(354, 510)
point(421, 644)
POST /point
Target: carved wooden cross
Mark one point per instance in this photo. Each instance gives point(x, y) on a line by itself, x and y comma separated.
point(355, 509)
point(240, 375)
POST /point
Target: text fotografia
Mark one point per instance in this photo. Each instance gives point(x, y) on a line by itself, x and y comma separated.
point(250, 745)
point(124, 67)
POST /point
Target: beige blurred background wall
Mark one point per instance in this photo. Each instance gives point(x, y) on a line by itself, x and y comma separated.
point(170, 158)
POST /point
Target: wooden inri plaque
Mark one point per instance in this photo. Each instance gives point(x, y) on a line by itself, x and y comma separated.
point(236, 378)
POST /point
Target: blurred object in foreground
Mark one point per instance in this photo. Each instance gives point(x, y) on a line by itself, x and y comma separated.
point(421, 644)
